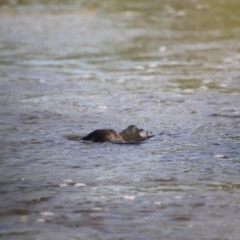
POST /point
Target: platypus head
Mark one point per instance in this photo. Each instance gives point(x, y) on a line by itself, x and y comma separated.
point(132, 133)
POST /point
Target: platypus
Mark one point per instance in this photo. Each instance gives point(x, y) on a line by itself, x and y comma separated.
point(130, 134)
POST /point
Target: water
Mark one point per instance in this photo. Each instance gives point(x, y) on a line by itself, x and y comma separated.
point(169, 67)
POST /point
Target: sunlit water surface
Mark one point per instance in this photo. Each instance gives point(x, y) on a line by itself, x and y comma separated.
point(170, 67)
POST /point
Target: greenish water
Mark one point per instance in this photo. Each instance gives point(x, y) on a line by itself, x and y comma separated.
point(70, 67)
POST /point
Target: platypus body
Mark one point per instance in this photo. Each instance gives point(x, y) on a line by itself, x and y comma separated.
point(103, 135)
point(128, 135)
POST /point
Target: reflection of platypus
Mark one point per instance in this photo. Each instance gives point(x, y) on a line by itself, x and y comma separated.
point(130, 134)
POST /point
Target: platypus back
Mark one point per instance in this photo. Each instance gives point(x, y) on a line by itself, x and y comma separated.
point(103, 135)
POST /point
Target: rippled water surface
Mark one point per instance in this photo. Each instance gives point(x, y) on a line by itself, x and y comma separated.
point(170, 67)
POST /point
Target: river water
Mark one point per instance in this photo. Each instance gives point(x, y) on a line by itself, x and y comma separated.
point(70, 67)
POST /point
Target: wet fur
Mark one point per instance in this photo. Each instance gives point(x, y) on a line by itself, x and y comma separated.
point(103, 135)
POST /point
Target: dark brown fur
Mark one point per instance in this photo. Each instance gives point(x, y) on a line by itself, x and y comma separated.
point(103, 135)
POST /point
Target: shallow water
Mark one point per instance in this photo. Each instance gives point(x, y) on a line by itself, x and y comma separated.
point(169, 67)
